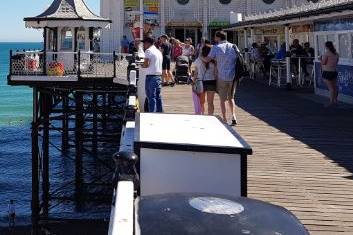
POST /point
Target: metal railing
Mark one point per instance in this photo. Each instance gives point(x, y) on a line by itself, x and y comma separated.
point(27, 63)
point(61, 63)
point(80, 64)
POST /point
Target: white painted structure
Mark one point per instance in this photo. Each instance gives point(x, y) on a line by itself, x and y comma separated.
point(122, 213)
point(189, 154)
point(194, 19)
point(68, 27)
point(316, 23)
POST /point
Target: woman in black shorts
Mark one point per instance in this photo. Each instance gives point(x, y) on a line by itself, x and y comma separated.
point(329, 63)
point(166, 49)
point(207, 73)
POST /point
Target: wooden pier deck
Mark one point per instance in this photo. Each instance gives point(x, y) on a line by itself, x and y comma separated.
point(303, 152)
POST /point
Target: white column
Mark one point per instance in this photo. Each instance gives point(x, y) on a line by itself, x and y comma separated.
point(289, 75)
point(105, 37)
point(252, 35)
point(74, 38)
point(204, 18)
point(59, 39)
point(116, 30)
point(245, 38)
point(162, 12)
point(87, 40)
point(246, 45)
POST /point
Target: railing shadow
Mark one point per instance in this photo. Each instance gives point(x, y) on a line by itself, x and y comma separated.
point(300, 115)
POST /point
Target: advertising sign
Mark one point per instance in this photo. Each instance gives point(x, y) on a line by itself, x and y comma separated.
point(151, 12)
point(150, 16)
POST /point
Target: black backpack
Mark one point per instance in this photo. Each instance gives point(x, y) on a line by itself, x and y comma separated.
point(241, 69)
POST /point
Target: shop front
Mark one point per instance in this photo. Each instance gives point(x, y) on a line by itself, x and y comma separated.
point(182, 30)
point(316, 24)
point(340, 32)
point(216, 25)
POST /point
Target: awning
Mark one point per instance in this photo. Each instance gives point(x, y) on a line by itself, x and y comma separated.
point(306, 12)
point(184, 24)
point(218, 24)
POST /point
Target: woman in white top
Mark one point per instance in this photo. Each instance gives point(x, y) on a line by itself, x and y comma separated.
point(206, 72)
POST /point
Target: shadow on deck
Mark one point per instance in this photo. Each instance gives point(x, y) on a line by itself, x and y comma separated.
point(303, 152)
point(302, 116)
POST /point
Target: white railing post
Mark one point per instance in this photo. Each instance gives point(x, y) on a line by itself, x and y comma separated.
point(289, 74)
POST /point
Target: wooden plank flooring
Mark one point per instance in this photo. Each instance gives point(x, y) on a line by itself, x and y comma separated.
point(303, 152)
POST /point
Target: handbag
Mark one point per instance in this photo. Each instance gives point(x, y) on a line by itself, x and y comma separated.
point(197, 87)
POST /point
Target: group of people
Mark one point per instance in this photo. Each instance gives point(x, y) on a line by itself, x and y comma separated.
point(264, 55)
point(306, 53)
point(214, 69)
point(172, 49)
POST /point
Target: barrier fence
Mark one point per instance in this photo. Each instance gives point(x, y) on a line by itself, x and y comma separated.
point(80, 64)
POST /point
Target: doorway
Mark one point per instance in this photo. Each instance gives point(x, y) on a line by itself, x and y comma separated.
point(179, 34)
point(273, 42)
point(183, 33)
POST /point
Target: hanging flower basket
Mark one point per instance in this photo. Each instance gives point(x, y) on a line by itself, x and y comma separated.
point(56, 69)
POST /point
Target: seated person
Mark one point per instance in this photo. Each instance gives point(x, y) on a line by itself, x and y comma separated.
point(281, 54)
point(308, 52)
point(267, 56)
point(296, 50)
point(254, 53)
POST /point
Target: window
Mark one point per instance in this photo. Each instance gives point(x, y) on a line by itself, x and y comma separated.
point(66, 39)
point(183, 2)
point(225, 1)
point(81, 39)
point(344, 47)
point(268, 1)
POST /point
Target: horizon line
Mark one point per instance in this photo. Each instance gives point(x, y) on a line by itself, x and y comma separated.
point(21, 42)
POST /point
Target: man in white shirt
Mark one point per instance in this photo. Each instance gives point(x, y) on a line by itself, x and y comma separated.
point(153, 64)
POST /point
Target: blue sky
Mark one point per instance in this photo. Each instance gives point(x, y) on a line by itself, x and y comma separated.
point(12, 27)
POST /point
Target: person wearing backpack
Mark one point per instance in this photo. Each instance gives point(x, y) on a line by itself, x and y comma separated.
point(225, 55)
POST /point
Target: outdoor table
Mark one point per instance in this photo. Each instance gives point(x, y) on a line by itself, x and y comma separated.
point(279, 65)
point(182, 153)
point(300, 77)
point(208, 214)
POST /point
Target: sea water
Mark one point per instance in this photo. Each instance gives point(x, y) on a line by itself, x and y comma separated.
point(15, 139)
point(15, 150)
